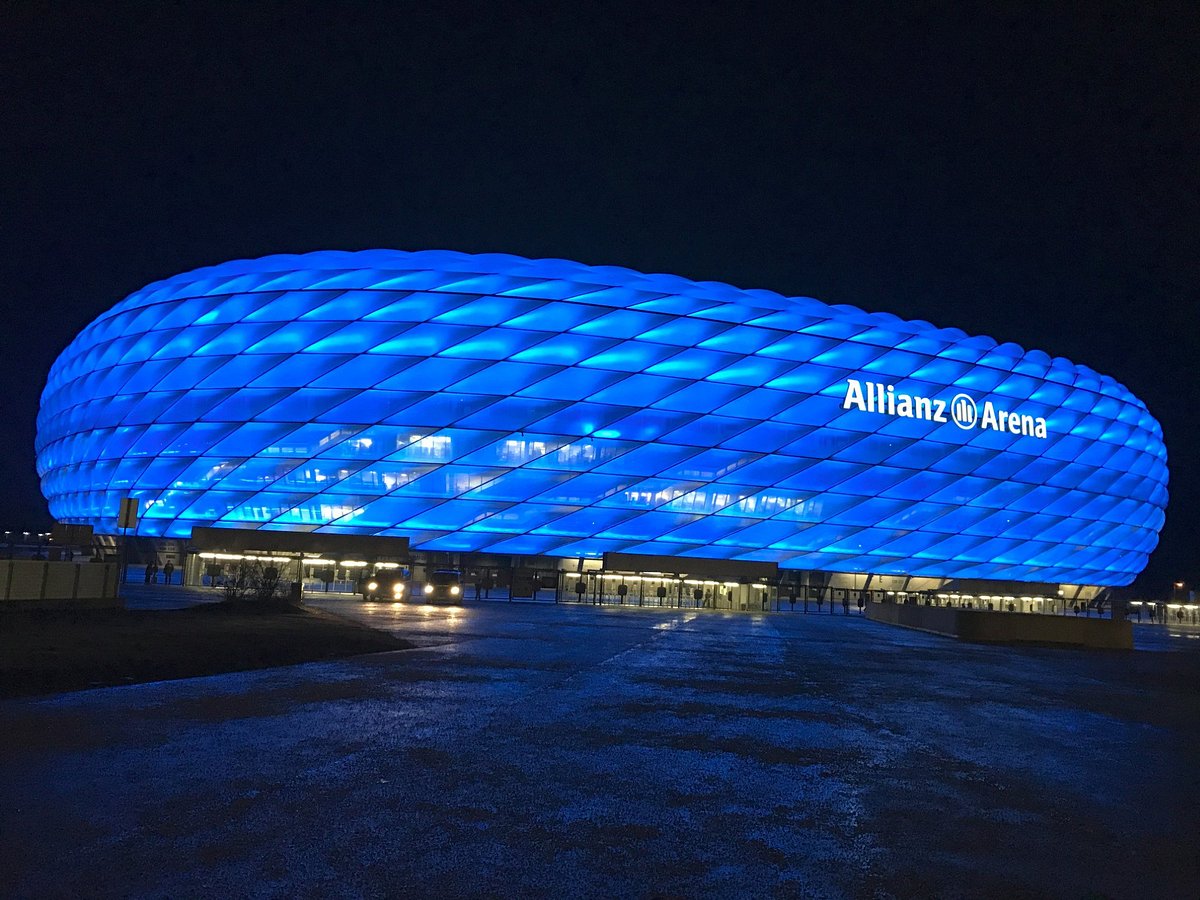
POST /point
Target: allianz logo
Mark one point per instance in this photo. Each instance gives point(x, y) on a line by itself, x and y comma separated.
point(961, 409)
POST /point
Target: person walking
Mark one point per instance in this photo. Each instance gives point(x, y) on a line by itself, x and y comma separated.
point(168, 571)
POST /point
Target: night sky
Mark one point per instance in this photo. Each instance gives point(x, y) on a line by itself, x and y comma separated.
point(1032, 176)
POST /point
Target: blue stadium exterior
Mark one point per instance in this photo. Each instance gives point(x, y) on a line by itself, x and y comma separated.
point(544, 407)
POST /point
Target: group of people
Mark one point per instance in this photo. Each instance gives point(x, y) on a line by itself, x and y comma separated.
point(168, 570)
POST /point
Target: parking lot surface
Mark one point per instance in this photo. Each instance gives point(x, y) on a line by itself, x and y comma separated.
point(531, 750)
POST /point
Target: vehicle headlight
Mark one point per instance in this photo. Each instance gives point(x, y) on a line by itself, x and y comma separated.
point(397, 589)
point(372, 585)
point(429, 588)
point(455, 590)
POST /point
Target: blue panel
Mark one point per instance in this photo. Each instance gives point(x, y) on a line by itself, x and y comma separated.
point(292, 337)
point(572, 384)
point(701, 396)
point(563, 349)
point(425, 340)
point(503, 378)
point(299, 371)
point(362, 372)
point(251, 438)
point(520, 406)
point(442, 409)
point(304, 406)
point(369, 406)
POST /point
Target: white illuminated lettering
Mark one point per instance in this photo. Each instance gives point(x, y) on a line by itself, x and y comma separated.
point(961, 409)
point(854, 396)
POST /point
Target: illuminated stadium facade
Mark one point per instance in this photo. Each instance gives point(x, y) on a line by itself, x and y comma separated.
point(542, 408)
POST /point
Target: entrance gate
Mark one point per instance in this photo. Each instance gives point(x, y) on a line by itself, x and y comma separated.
point(627, 579)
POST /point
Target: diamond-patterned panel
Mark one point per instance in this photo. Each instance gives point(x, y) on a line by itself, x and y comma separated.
point(501, 404)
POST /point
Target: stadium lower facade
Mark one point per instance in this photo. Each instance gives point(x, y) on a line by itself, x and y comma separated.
point(490, 404)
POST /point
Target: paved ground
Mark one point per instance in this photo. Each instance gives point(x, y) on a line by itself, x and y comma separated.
point(530, 751)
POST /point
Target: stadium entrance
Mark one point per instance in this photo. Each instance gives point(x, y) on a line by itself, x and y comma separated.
point(628, 579)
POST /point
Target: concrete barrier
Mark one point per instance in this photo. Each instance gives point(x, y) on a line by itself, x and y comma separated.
point(989, 627)
point(46, 584)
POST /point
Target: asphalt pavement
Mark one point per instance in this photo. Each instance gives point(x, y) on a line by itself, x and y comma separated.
point(533, 750)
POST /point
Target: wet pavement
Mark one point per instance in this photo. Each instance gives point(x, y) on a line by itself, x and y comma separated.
point(530, 750)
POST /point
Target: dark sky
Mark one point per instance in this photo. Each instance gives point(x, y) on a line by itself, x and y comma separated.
point(1029, 175)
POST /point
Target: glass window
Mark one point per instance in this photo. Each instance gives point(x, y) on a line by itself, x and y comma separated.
point(379, 478)
point(209, 506)
point(199, 438)
point(310, 440)
point(451, 481)
point(519, 518)
point(250, 438)
point(452, 515)
point(440, 445)
point(162, 472)
point(583, 455)
point(580, 419)
point(155, 439)
point(585, 522)
point(237, 475)
point(516, 450)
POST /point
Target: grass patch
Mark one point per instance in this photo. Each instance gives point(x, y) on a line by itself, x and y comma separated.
point(48, 652)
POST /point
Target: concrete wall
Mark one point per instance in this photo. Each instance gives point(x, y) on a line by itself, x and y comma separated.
point(1005, 628)
point(35, 583)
